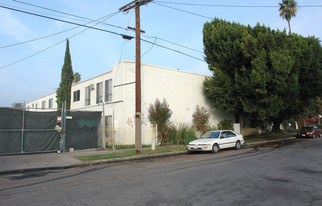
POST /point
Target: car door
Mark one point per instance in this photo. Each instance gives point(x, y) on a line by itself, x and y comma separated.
point(223, 140)
point(232, 138)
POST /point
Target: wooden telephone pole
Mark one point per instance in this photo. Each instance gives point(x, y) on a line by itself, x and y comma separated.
point(136, 4)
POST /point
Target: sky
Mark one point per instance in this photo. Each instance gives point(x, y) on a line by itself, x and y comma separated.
point(32, 48)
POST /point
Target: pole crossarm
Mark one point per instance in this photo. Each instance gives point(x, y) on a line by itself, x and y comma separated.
point(133, 3)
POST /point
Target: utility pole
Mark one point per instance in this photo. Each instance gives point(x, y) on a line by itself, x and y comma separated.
point(136, 4)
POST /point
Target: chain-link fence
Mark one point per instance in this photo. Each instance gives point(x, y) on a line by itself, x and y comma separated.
point(25, 131)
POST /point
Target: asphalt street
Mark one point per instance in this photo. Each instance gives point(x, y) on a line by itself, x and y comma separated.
point(289, 174)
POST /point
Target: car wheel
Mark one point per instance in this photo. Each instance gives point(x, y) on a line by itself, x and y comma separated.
point(237, 146)
point(215, 148)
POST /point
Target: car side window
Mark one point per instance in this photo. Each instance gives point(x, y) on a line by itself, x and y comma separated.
point(231, 134)
point(223, 135)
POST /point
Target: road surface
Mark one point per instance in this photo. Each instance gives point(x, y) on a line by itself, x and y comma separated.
point(270, 175)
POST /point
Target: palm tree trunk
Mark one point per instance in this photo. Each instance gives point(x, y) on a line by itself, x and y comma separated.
point(289, 27)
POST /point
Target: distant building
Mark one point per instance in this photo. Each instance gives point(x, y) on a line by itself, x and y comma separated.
point(44, 104)
point(113, 93)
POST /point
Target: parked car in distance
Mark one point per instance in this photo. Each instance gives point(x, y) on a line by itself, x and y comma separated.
point(311, 131)
point(216, 140)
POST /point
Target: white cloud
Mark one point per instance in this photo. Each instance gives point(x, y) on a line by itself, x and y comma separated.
point(11, 26)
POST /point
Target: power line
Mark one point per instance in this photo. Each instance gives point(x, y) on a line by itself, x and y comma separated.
point(27, 57)
point(207, 17)
point(57, 33)
point(177, 51)
point(43, 37)
point(32, 55)
point(65, 13)
point(87, 27)
point(173, 43)
point(33, 5)
point(229, 5)
point(61, 20)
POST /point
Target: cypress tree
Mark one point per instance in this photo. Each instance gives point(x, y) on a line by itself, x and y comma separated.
point(64, 91)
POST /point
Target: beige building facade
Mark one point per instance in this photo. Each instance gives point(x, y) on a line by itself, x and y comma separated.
point(113, 93)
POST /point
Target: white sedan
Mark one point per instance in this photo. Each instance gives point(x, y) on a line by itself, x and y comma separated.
point(216, 140)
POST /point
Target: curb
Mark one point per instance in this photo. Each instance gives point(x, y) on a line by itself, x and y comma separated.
point(131, 158)
point(254, 144)
point(94, 162)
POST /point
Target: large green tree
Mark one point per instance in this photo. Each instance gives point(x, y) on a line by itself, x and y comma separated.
point(288, 9)
point(261, 72)
point(64, 91)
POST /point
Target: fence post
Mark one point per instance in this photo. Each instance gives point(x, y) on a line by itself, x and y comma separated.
point(113, 132)
point(103, 142)
point(63, 124)
point(153, 138)
point(22, 128)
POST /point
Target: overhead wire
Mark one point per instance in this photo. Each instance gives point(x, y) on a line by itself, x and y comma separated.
point(39, 38)
point(195, 14)
point(177, 51)
point(86, 26)
point(61, 20)
point(65, 13)
point(180, 45)
point(229, 5)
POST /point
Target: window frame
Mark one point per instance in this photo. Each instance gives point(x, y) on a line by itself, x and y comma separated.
point(99, 92)
point(76, 96)
point(108, 90)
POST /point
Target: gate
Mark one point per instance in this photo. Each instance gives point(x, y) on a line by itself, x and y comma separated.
point(24, 131)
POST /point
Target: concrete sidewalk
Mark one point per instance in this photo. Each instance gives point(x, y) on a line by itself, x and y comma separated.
point(11, 164)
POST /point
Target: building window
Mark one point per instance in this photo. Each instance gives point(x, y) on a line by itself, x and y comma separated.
point(33, 105)
point(108, 126)
point(76, 96)
point(108, 90)
point(51, 103)
point(99, 92)
point(36, 106)
point(87, 96)
point(43, 105)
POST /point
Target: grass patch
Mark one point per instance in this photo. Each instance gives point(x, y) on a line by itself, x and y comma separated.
point(267, 136)
point(129, 154)
point(125, 146)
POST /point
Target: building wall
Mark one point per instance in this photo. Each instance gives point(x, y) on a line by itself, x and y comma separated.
point(43, 104)
point(182, 90)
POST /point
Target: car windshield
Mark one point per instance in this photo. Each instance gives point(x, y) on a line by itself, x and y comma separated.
point(210, 135)
point(307, 129)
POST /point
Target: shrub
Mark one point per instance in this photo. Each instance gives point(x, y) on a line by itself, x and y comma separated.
point(181, 134)
point(159, 114)
point(200, 119)
point(225, 124)
point(173, 134)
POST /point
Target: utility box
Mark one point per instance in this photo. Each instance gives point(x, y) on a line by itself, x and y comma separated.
point(237, 128)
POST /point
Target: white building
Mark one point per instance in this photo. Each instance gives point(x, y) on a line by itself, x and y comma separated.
point(43, 104)
point(113, 93)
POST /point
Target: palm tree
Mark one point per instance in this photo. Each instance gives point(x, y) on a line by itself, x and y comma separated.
point(76, 78)
point(288, 10)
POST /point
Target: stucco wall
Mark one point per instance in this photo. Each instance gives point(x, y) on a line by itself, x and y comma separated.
point(182, 90)
point(31, 106)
